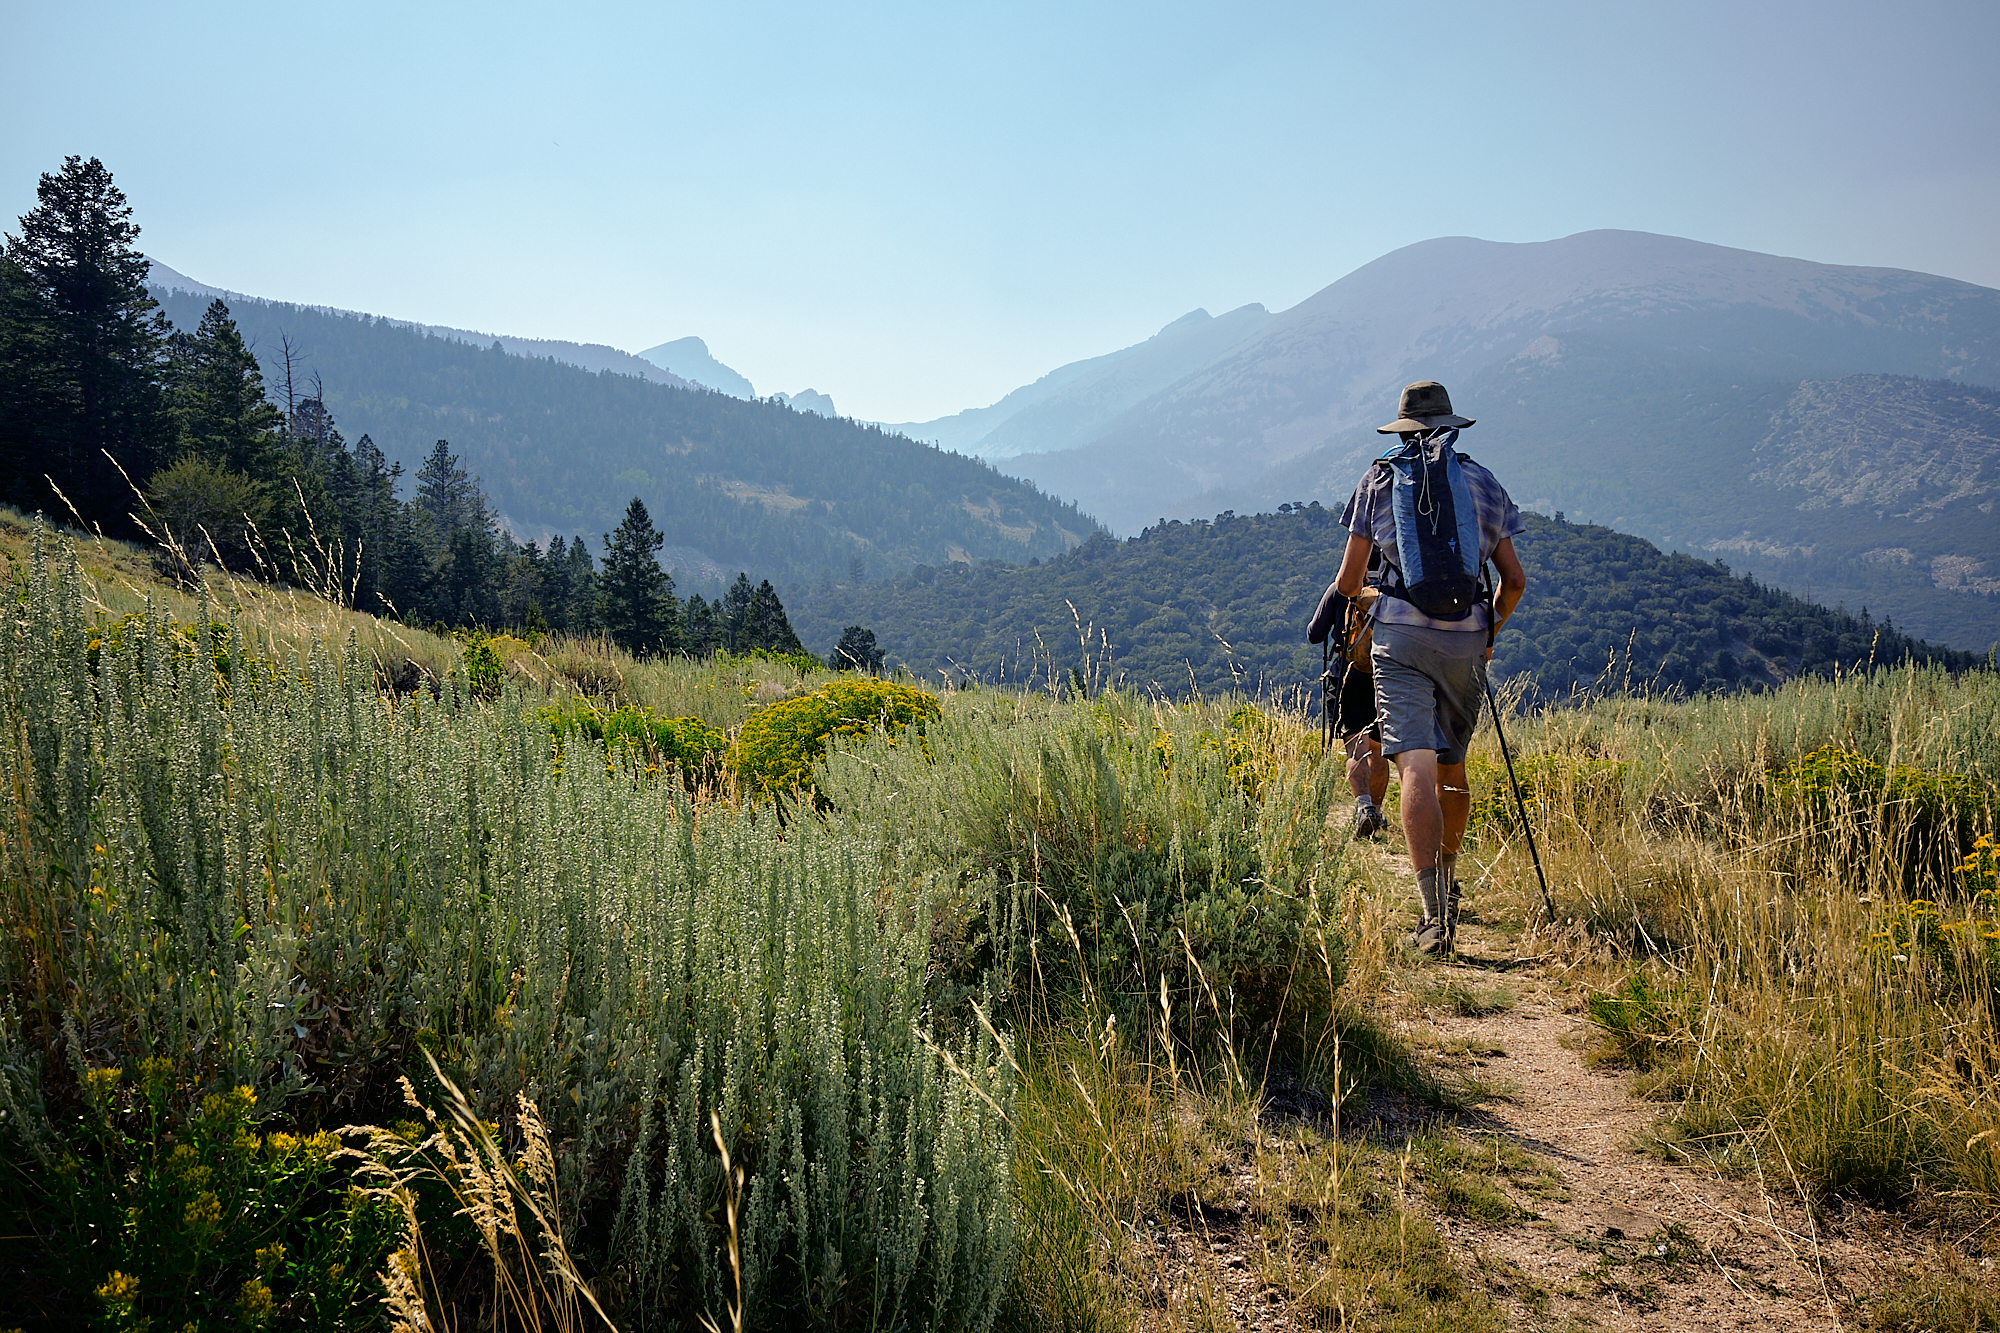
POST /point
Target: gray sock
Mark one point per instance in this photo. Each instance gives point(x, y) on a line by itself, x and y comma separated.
point(1448, 876)
point(1427, 890)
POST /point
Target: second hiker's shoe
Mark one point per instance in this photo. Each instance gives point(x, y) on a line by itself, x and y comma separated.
point(1369, 820)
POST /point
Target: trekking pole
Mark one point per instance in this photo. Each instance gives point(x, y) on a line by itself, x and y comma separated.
point(1326, 691)
point(1520, 805)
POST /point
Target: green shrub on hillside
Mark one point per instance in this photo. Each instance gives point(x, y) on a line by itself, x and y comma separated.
point(1849, 806)
point(686, 744)
point(1830, 783)
point(483, 669)
point(1959, 944)
point(1142, 844)
point(803, 663)
point(776, 748)
point(179, 643)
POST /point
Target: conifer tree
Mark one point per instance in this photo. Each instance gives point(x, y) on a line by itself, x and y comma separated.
point(577, 600)
point(526, 589)
point(583, 588)
point(448, 496)
point(382, 522)
point(26, 386)
point(216, 395)
point(77, 282)
point(765, 624)
point(402, 568)
point(465, 589)
point(856, 651)
point(635, 596)
point(702, 632)
point(556, 584)
point(735, 605)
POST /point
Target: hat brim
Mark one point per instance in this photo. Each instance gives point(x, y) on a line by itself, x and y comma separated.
point(1412, 425)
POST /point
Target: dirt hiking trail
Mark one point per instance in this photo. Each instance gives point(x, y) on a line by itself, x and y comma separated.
point(1612, 1237)
point(1719, 1254)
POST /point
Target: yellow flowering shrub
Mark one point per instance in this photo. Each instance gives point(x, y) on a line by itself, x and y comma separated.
point(776, 747)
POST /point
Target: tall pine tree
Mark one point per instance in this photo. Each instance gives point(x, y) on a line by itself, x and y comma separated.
point(77, 298)
point(635, 596)
point(449, 497)
point(702, 633)
point(765, 624)
point(216, 395)
point(733, 607)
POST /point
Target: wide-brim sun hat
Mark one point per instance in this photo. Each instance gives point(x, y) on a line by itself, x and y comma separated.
point(1424, 406)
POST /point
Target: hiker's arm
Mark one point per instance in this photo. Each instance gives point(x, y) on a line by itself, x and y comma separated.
point(1513, 582)
point(1332, 606)
point(1354, 566)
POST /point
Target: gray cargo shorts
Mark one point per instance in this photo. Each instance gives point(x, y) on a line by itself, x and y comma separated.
point(1429, 684)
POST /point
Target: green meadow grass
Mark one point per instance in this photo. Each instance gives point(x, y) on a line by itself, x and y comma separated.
point(334, 971)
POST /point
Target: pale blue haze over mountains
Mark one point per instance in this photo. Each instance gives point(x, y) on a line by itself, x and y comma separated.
point(1068, 406)
point(919, 211)
point(589, 356)
point(917, 208)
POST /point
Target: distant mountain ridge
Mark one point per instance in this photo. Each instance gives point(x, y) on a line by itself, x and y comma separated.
point(1450, 308)
point(808, 400)
point(1213, 605)
point(1067, 407)
point(690, 359)
point(587, 356)
point(1626, 378)
point(732, 485)
point(1867, 490)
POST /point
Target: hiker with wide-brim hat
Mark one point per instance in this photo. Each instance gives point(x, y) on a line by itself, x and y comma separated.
point(1438, 520)
point(1424, 406)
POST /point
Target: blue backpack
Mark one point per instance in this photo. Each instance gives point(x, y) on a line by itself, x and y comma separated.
point(1436, 564)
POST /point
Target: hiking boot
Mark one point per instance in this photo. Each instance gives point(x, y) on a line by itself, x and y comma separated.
point(1430, 938)
point(1368, 820)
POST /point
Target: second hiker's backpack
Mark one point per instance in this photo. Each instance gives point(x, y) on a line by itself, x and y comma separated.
point(1436, 560)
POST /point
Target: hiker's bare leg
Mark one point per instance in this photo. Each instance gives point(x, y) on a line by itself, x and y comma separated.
point(1455, 802)
point(1423, 817)
point(1367, 771)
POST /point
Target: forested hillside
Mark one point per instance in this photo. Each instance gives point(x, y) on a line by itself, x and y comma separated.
point(732, 484)
point(1206, 604)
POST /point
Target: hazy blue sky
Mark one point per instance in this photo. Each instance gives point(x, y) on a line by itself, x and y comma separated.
point(915, 208)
